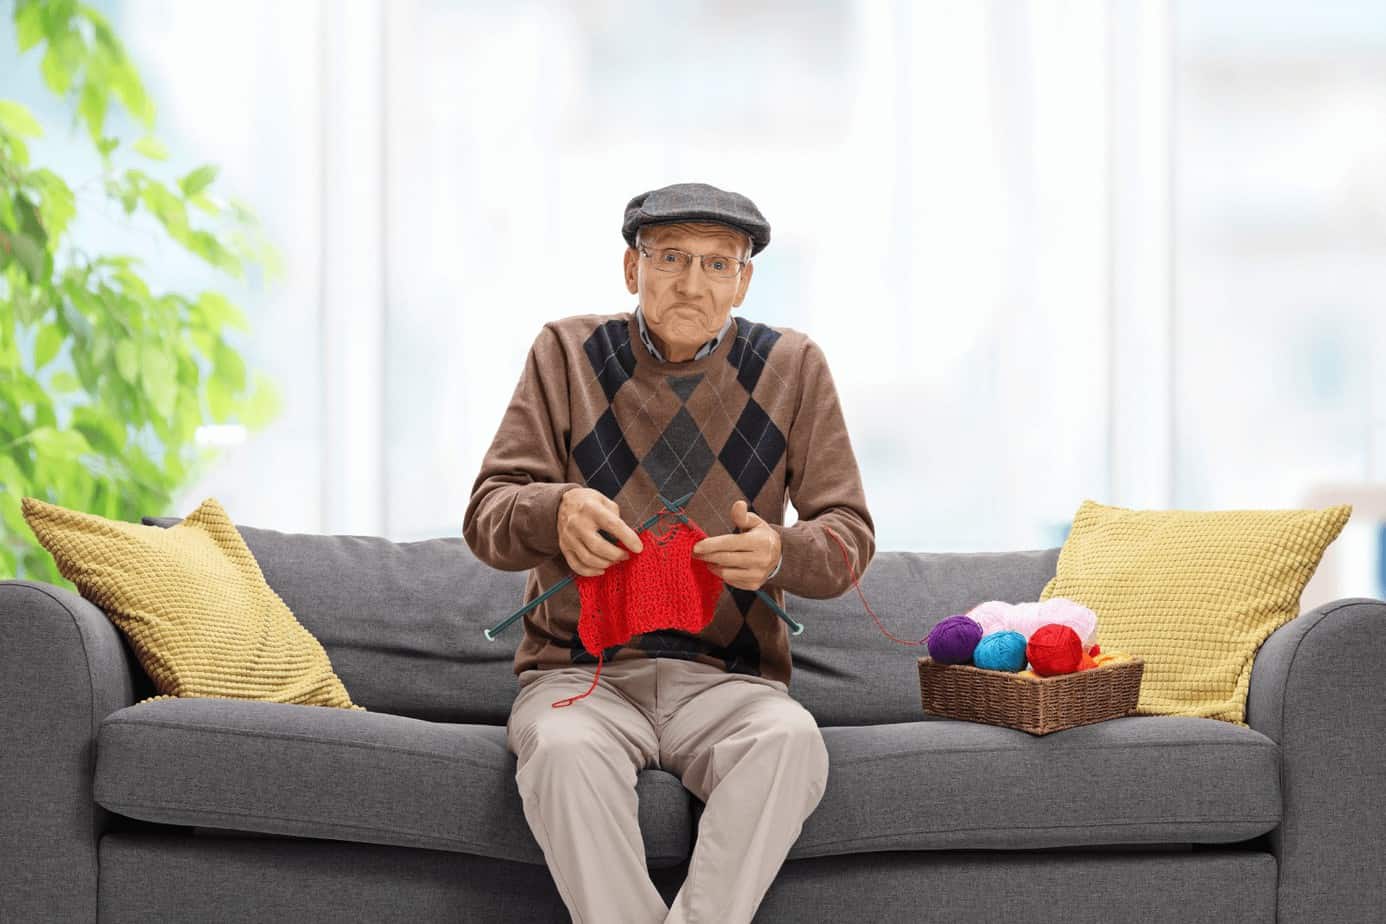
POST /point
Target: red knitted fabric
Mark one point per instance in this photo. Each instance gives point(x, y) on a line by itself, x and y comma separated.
point(662, 587)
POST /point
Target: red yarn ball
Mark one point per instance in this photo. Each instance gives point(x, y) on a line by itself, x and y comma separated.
point(1054, 649)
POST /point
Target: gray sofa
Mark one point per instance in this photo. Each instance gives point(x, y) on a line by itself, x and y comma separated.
point(203, 809)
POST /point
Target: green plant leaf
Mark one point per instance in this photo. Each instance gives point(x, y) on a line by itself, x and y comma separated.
point(228, 367)
point(219, 400)
point(264, 404)
point(63, 383)
point(28, 22)
point(197, 180)
point(72, 317)
point(62, 59)
point(158, 373)
point(204, 203)
point(59, 444)
point(18, 120)
point(217, 312)
point(11, 514)
point(28, 253)
point(105, 433)
point(92, 108)
point(11, 477)
point(127, 361)
point(50, 340)
point(166, 207)
point(58, 205)
point(206, 246)
point(151, 147)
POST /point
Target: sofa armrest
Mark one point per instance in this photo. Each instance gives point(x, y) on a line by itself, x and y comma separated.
point(1317, 690)
point(63, 668)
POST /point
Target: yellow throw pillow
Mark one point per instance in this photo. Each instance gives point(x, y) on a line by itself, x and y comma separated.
point(1194, 593)
point(194, 604)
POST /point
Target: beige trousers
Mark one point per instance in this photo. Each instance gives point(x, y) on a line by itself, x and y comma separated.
point(741, 744)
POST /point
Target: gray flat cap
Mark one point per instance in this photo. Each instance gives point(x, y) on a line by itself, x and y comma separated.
point(696, 202)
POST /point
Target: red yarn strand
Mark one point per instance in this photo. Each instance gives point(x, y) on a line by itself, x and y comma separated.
point(852, 571)
point(572, 699)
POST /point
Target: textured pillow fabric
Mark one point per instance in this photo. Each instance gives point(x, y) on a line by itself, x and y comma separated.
point(1194, 593)
point(194, 604)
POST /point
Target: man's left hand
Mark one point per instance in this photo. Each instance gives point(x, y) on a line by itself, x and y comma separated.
point(743, 559)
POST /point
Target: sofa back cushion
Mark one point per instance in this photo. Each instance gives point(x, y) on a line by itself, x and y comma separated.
point(846, 672)
point(402, 622)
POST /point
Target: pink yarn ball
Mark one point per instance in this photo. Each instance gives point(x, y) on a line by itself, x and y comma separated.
point(992, 616)
point(1073, 614)
point(1025, 618)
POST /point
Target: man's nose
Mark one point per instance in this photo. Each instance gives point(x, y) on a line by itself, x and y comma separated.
point(693, 279)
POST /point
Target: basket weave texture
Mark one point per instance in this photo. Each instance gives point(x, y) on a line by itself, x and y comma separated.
point(1038, 705)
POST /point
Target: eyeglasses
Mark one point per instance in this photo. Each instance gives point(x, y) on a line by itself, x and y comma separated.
point(669, 260)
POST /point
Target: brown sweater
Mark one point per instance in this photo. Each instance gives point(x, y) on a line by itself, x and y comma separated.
point(758, 419)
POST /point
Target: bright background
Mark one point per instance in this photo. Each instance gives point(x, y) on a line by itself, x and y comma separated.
point(1127, 251)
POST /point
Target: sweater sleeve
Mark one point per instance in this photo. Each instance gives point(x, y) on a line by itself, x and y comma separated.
point(825, 488)
point(511, 521)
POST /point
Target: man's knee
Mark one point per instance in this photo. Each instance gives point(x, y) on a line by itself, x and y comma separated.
point(568, 751)
point(799, 734)
point(560, 739)
point(809, 738)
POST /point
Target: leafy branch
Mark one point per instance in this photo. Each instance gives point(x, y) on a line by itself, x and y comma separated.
point(104, 381)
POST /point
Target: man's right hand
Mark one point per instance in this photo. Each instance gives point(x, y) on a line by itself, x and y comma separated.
point(583, 511)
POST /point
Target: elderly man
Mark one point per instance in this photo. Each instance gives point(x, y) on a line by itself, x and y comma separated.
point(612, 413)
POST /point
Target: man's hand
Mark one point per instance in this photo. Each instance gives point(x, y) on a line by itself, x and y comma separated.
point(583, 511)
point(743, 559)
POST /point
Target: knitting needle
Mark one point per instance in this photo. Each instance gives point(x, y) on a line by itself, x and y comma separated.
point(795, 628)
point(504, 624)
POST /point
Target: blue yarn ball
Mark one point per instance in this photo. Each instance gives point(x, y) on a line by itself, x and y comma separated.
point(1001, 651)
point(951, 641)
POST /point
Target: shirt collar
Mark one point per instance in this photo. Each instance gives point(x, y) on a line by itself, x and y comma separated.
point(703, 350)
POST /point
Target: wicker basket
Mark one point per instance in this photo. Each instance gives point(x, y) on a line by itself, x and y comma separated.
point(1038, 705)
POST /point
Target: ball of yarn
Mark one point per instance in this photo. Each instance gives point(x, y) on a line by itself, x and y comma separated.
point(953, 639)
point(992, 616)
point(1073, 614)
point(1000, 651)
point(1054, 649)
point(1025, 618)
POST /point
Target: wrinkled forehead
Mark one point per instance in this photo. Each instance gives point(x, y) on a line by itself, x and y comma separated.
point(699, 236)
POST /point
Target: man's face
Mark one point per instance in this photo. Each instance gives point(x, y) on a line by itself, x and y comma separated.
point(686, 309)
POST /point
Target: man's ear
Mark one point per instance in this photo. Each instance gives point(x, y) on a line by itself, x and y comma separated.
point(632, 268)
point(745, 282)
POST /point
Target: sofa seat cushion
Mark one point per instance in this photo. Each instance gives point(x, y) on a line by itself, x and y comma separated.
point(945, 784)
point(310, 771)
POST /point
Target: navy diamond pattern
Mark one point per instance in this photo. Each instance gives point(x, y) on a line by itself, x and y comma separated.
point(753, 449)
point(753, 344)
point(609, 351)
point(604, 456)
point(680, 458)
point(744, 598)
point(743, 653)
point(683, 385)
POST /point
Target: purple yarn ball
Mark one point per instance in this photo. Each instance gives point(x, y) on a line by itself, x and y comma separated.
point(952, 640)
